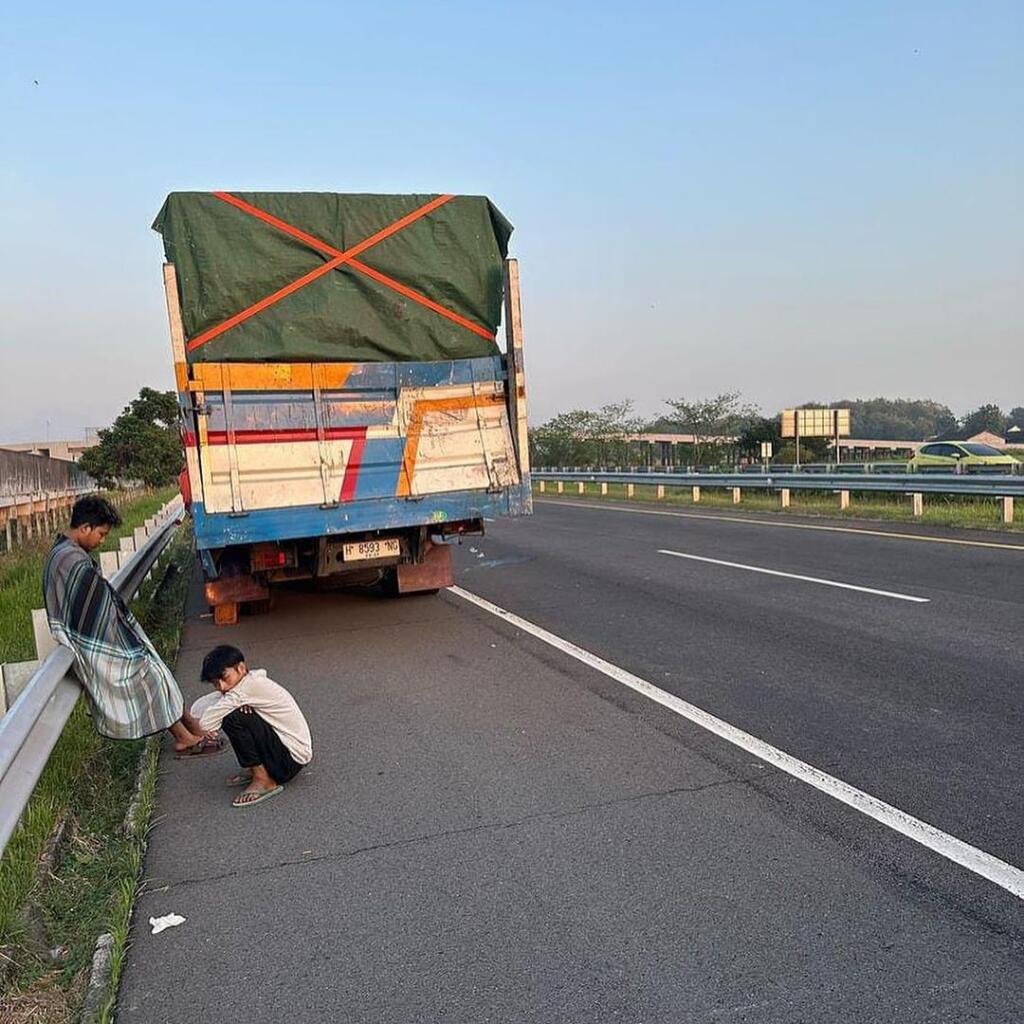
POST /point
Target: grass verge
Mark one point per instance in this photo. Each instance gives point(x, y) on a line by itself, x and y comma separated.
point(964, 512)
point(92, 781)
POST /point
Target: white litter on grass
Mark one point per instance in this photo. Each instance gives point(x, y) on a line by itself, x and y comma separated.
point(472, 551)
point(167, 921)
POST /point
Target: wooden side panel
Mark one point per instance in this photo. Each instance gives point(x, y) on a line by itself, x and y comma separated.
point(516, 367)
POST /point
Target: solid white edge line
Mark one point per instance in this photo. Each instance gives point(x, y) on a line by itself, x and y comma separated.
point(1005, 875)
point(796, 576)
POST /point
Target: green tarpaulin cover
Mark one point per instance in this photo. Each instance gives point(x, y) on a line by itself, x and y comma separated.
point(228, 258)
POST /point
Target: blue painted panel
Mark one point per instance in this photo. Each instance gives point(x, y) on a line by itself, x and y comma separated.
point(220, 530)
point(382, 462)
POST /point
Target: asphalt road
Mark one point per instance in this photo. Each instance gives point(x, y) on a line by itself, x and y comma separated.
point(493, 831)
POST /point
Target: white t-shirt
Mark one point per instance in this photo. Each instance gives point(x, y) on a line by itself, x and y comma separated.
point(274, 704)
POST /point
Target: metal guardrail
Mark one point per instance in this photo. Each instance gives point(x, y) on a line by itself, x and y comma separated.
point(33, 724)
point(757, 469)
point(995, 485)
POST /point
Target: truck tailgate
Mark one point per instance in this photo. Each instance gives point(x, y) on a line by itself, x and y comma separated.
point(283, 435)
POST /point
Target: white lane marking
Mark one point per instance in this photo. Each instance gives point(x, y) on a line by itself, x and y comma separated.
point(796, 576)
point(785, 526)
point(1006, 876)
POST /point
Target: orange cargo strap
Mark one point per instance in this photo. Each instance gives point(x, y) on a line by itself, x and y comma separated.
point(338, 258)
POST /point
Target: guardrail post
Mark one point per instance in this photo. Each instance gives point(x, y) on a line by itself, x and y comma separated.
point(918, 499)
point(127, 544)
point(736, 495)
point(784, 497)
point(580, 487)
point(696, 494)
point(604, 486)
point(661, 490)
point(9, 535)
point(561, 487)
point(41, 630)
point(630, 490)
point(1008, 509)
point(844, 500)
point(109, 563)
point(543, 486)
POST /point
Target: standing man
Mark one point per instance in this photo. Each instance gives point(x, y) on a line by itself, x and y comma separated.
point(132, 692)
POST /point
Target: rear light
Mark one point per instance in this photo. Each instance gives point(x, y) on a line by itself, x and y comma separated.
point(271, 556)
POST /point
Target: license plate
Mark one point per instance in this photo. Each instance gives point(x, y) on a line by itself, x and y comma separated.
point(362, 550)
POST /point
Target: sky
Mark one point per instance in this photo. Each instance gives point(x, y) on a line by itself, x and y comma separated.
point(797, 201)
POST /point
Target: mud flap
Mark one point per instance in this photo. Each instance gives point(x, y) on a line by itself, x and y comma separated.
point(434, 572)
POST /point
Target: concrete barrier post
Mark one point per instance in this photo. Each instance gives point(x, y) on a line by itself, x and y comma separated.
point(784, 497)
point(661, 490)
point(9, 535)
point(918, 500)
point(604, 487)
point(543, 486)
point(630, 490)
point(580, 487)
point(844, 500)
point(1008, 509)
point(736, 495)
point(696, 494)
point(561, 487)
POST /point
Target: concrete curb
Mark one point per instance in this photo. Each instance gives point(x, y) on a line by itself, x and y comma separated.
point(97, 990)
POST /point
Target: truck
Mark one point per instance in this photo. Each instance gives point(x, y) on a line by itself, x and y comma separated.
point(346, 410)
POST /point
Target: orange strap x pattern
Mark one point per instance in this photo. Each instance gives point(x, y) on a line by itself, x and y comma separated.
point(338, 258)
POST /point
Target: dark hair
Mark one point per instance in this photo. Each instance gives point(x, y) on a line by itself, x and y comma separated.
point(220, 658)
point(92, 510)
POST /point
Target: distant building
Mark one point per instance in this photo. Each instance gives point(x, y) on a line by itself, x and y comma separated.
point(1014, 437)
point(65, 451)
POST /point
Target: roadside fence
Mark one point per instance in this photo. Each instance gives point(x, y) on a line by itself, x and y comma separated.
point(34, 491)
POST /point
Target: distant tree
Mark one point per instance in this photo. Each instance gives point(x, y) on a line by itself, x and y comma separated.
point(709, 418)
point(987, 417)
point(891, 419)
point(615, 426)
point(758, 430)
point(143, 443)
point(1015, 417)
point(584, 437)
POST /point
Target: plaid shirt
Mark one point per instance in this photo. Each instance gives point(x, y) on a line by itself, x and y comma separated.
point(132, 692)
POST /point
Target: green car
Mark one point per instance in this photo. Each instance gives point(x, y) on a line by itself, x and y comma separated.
point(946, 456)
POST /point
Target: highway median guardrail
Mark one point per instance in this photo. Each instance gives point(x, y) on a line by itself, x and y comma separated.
point(45, 699)
point(1005, 487)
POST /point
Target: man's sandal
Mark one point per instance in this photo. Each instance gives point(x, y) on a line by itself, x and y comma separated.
point(255, 798)
point(204, 748)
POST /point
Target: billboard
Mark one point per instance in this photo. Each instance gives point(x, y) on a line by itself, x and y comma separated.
point(815, 422)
